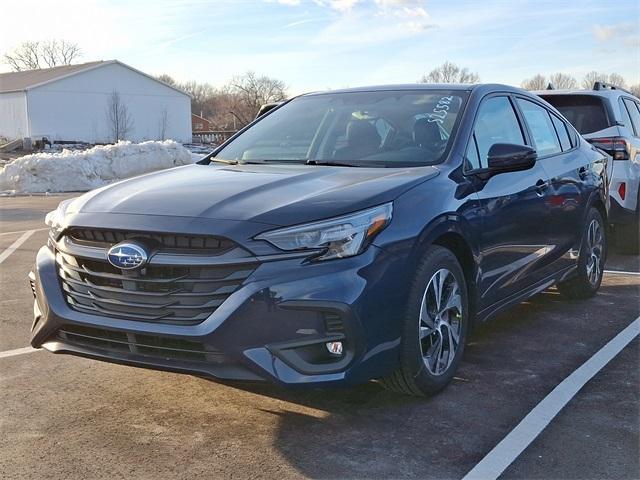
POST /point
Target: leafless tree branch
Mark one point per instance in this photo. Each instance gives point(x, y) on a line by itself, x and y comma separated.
point(35, 55)
point(119, 120)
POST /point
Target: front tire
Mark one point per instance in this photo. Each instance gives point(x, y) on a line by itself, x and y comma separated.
point(593, 253)
point(435, 326)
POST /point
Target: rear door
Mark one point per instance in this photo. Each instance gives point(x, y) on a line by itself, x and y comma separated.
point(569, 173)
point(514, 233)
point(632, 195)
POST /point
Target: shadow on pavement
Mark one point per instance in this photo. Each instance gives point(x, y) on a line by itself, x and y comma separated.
point(511, 363)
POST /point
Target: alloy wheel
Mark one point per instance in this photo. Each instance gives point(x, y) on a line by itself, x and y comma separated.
point(440, 321)
point(595, 244)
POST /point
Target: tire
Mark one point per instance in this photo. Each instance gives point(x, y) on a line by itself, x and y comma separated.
point(427, 335)
point(593, 254)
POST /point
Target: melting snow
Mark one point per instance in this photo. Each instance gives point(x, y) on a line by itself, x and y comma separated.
point(73, 170)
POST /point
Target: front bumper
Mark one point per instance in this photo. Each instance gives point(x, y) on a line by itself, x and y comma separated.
point(273, 328)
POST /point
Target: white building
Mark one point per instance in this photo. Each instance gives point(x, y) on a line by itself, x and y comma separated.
point(70, 103)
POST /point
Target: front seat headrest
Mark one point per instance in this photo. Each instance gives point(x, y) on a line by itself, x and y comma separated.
point(361, 132)
point(426, 134)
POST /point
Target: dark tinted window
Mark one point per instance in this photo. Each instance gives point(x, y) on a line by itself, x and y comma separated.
point(496, 123)
point(634, 114)
point(585, 112)
point(544, 135)
point(561, 130)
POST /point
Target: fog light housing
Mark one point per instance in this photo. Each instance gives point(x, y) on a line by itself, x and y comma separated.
point(334, 348)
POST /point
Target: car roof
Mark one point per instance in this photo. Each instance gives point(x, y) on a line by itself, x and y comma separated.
point(424, 86)
point(609, 93)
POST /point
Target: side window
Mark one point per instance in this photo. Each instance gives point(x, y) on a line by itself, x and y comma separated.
point(634, 114)
point(544, 135)
point(626, 119)
point(472, 157)
point(561, 130)
point(496, 123)
point(574, 136)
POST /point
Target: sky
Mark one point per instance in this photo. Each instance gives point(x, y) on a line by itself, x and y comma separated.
point(320, 44)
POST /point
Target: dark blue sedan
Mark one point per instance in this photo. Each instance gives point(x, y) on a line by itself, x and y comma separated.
point(341, 237)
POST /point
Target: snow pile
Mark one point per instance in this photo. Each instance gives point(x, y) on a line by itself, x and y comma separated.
point(70, 170)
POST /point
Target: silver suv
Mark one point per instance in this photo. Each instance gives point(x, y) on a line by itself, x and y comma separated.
point(609, 118)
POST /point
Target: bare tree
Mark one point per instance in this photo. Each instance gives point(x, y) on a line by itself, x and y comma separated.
point(592, 77)
point(168, 79)
point(252, 91)
point(617, 80)
point(163, 123)
point(537, 82)
point(119, 120)
point(635, 89)
point(449, 72)
point(202, 95)
point(36, 55)
point(562, 80)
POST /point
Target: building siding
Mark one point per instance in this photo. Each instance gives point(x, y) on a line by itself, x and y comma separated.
point(13, 115)
point(74, 108)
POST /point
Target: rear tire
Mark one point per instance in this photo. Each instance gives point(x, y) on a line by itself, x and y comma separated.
point(593, 253)
point(434, 328)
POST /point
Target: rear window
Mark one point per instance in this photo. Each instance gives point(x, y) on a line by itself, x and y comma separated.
point(585, 112)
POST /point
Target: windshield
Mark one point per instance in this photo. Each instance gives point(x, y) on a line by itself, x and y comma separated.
point(380, 129)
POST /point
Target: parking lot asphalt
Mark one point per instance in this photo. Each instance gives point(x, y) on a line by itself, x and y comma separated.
point(68, 417)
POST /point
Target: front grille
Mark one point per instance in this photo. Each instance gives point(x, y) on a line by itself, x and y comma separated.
point(166, 242)
point(178, 295)
point(140, 344)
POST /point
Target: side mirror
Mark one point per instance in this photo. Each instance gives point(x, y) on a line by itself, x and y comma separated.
point(507, 157)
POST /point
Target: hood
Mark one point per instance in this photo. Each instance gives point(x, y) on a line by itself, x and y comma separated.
point(271, 194)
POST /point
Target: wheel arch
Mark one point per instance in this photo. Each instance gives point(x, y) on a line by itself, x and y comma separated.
point(598, 204)
point(451, 232)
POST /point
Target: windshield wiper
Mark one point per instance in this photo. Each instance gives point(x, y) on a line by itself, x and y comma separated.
point(330, 163)
point(220, 160)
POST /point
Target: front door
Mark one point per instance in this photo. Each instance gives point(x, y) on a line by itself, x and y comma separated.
point(514, 231)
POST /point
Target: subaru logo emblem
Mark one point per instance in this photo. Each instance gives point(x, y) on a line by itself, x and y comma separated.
point(127, 256)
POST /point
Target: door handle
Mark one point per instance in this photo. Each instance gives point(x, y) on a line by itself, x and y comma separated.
point(541, 186)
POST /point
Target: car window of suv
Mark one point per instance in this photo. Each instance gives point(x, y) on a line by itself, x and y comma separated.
point(496, 122)
point(544, 135)
point(561, 130)
point(626, 119)
point(585, 112)
point(634, 114)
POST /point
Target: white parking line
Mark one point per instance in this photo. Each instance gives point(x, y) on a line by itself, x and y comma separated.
point(22, 231)
point(511, 446)
point(15, 245)
point(620, 272)
point(18, 351)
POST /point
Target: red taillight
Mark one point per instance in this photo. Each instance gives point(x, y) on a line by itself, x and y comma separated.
point(617, 147)
point(622, 190)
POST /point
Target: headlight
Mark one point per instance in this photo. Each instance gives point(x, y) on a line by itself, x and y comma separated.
point(55, 218)
point(338, 237)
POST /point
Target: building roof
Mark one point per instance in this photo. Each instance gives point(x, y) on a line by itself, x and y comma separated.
point(28, 79)
point(16, 81)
